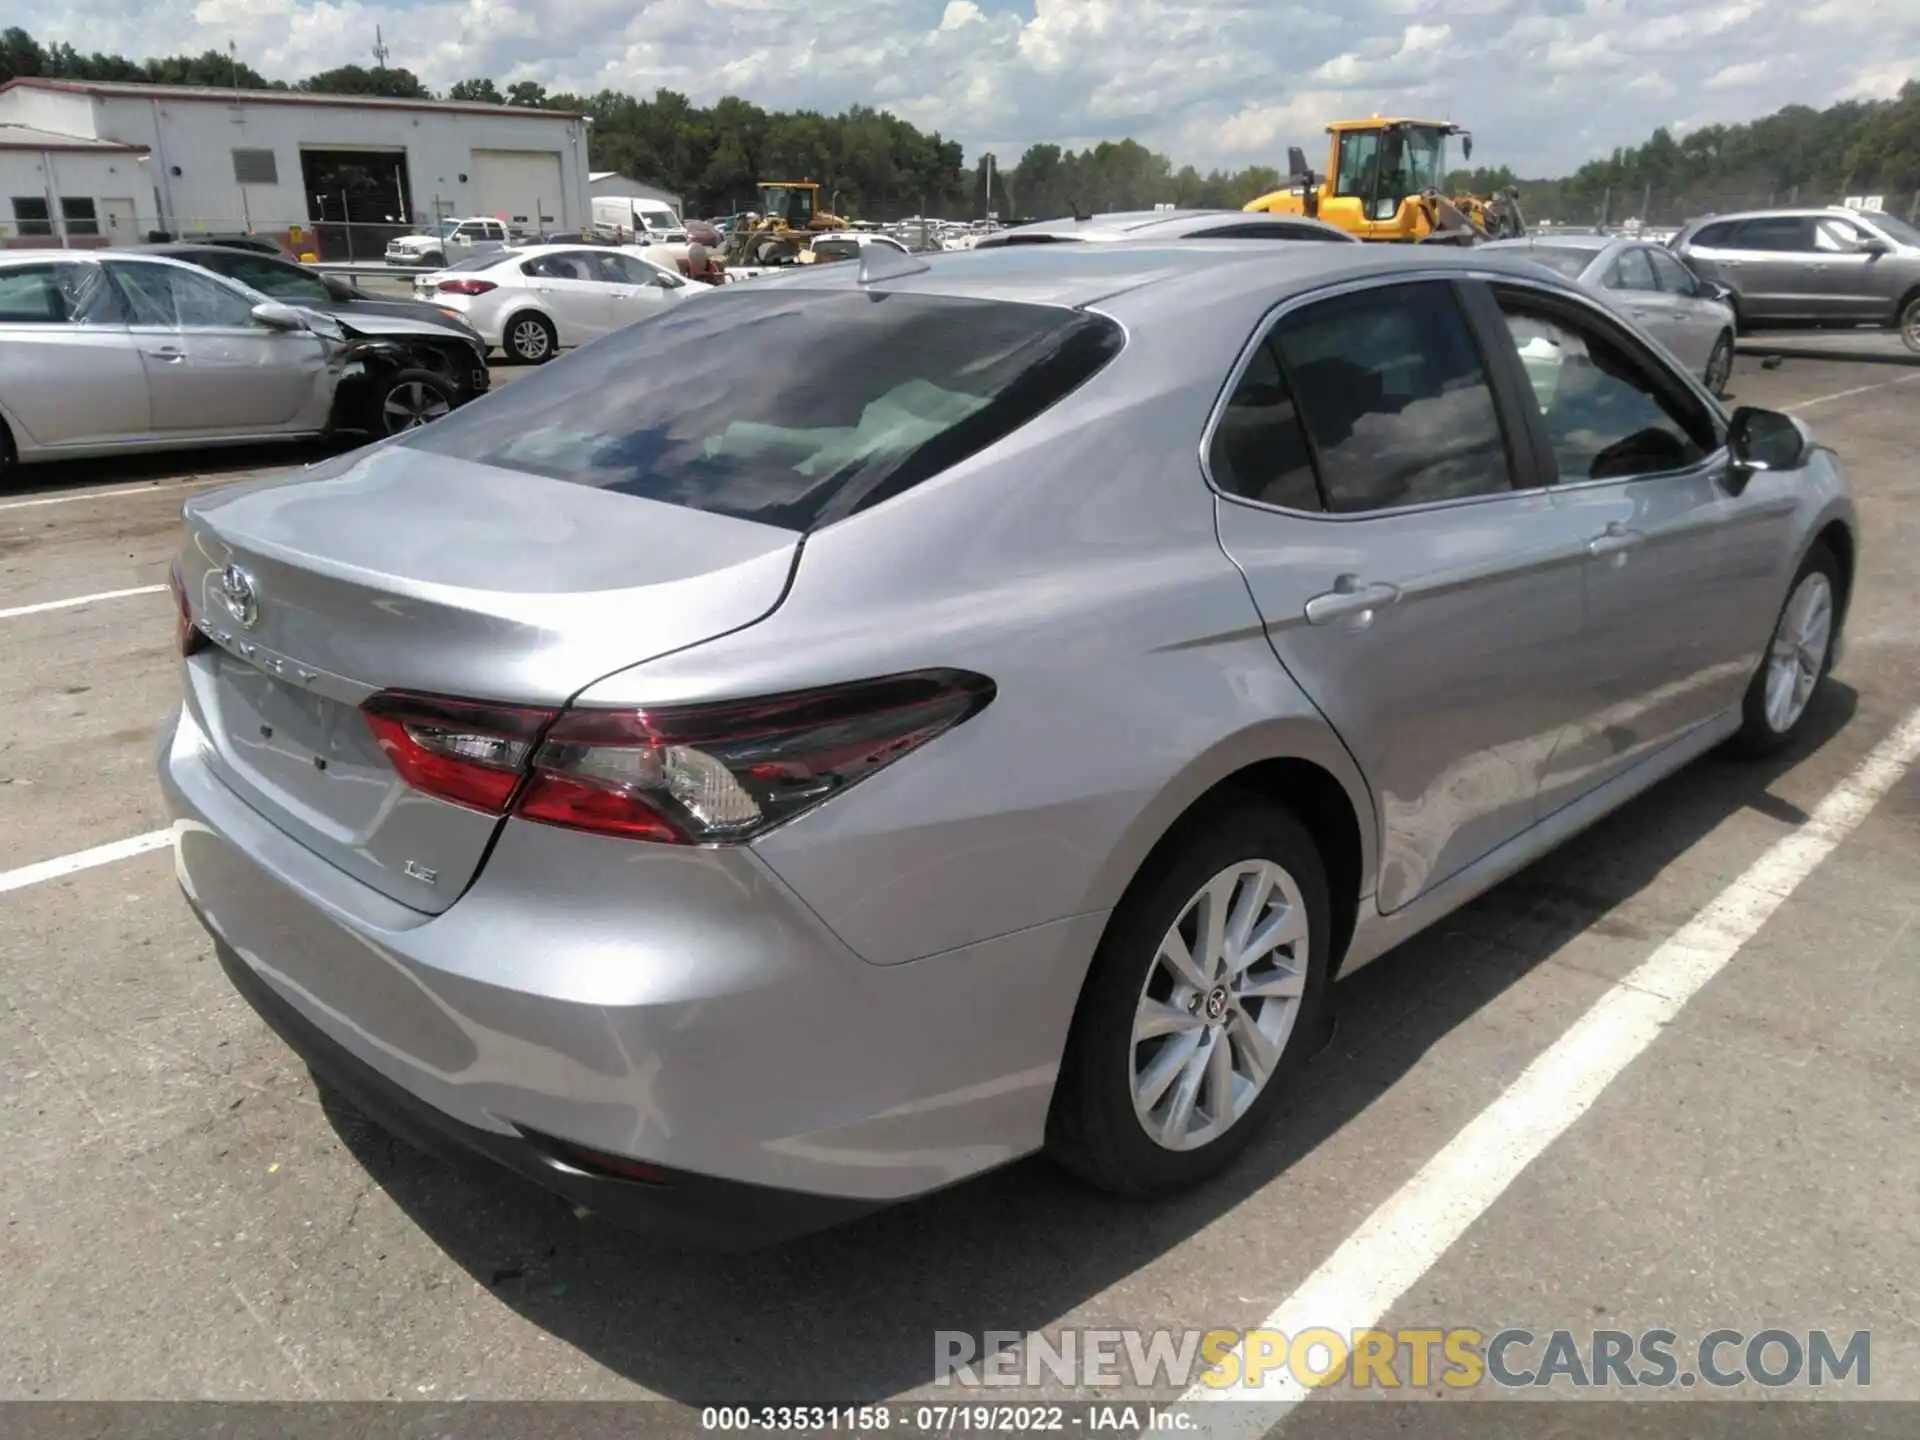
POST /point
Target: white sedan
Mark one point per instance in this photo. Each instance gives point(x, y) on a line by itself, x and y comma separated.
point(535, 301)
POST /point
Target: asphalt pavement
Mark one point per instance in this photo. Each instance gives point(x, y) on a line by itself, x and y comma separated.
point(186, 1217)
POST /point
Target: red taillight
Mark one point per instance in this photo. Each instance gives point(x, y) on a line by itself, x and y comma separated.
point(683, 774)
point(467, 287)
point(470, 753)
point(187, 637)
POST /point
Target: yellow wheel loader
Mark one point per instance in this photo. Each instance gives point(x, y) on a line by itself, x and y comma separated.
point(790, 216)
point(1385, 181)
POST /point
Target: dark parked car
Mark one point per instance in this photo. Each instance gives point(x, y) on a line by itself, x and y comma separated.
point(417, 360)
point(1812, 267)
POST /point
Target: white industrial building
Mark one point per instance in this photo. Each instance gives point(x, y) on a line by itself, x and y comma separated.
point(344, 171)
point(612, 184)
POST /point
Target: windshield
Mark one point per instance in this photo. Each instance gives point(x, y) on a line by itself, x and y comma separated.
point(1564, 260)
point(661, 220)
point(916, 384)
point(1895, 227)
point(444, 229)
point(1418, 161)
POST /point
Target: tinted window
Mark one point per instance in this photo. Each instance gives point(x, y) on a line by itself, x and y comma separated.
point(1259, 451)
point(269, 277)
point(54, 293)
point(1607, 414)
point(1395, 398)
point(1266, 232)
point(1672, 277)
point(179, 298)
point(917, 383)
point(835, 250)
point(1719, 233)
point(1564, 260)
point(1631, 271)
point(1776, 232)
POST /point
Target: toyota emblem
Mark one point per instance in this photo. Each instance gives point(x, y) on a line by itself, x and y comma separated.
point(236, 593)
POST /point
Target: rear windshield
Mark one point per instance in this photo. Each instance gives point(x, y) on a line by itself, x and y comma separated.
point(1565, 259)
point(790, 407)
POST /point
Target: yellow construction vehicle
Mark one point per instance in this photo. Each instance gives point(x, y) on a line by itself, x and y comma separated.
point(1385, 181)
point(790, 216)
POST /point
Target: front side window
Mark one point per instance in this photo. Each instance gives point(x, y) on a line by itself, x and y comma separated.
point(1395, 398)
point(918, 383)
point(176, 298)
point(1835, 236)
point(55, 292)
point(1259, 450)
point(1672, 277)
point(1607, 415)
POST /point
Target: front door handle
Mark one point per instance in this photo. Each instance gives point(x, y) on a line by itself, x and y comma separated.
point(1616, 539)
point(172, 354)
point(1350, 597)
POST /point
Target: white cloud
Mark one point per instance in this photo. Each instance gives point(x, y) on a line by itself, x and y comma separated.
point(1544, 84)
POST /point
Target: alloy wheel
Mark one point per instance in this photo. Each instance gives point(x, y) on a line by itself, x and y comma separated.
point(530, 340)
point(411, 404)
point(1219, 1004)
point(1719, 367)
point(1799, 651)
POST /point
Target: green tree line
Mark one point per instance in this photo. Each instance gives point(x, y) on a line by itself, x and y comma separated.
point(875, 165)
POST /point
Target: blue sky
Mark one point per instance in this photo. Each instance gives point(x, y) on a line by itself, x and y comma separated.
point(1544, 84)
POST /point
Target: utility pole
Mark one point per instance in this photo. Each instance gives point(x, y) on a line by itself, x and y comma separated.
point(233, 66)
point(987, 209)
point(380, 51)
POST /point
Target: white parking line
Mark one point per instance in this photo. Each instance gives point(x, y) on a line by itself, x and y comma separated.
point(83, 860)
point(1401, 1240)
point(1844, 394)
point(46, 605)
point(166, 487)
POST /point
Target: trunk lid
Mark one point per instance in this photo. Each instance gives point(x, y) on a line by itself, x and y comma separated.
point(395, 568)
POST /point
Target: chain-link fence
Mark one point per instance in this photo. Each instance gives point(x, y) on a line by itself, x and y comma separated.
point(328, 240)
point(1550, 205)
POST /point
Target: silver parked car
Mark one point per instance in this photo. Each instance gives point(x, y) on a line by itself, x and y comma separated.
point(741, 802)
point(105, 352)
point(1688, 315)
point(1821, 267)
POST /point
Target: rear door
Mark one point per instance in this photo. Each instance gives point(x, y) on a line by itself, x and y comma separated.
point(1773, 257)
point(69, 371)
point(1679, 573)
point(211, 368)
point(1631, 280)
point(570, 293)
point(636, 289)
point(1383, 500)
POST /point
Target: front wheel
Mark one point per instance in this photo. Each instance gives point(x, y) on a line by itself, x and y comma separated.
point(1719, 372)
point(1202, 1003)
point(1796, 661)
point(408, 399)
point(1910, 324)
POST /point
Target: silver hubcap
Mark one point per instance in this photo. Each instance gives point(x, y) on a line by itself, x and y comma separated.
point(412, 405)
point(1219, 1004)
point(1719, 367)
point(1799, 651)
point(530, 339)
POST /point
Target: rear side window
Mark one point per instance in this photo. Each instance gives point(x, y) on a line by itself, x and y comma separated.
point(1259, 450)
point(1395, 398)
point(716, 406)
point(1632, 271)
point(55, 293)
point(1720, 233)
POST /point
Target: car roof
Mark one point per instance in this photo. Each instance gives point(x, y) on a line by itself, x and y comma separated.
point(1077, 275)
point(1578, 240)
point(1162, 224)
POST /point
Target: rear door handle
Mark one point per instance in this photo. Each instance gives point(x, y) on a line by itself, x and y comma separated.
point(1616, 539)
point(171, 353)
point(1350, 597)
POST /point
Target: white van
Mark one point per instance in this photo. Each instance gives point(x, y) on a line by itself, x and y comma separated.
point(638, 221)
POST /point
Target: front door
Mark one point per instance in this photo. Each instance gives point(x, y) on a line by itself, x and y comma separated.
point(1679, 573)
point(69, 371)
point(579, 304)
point(1414, 580)
point(1845, 277)
point(211, 368)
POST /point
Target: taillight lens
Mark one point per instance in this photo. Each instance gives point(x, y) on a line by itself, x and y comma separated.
point(187, 637)
point(471, 753)
point(467, 287)
point(683, 774)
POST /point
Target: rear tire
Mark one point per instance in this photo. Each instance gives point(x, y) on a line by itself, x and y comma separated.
point(9, 458)
point(530, 338)
point(434, 261)
point(1798, 656)
point(1719, 370)
point(408, 399)
point(1226, 1029)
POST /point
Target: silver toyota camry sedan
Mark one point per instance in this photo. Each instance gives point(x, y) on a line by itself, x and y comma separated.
point(738, 793)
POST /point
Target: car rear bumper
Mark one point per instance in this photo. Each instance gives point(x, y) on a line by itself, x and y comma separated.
point(673, 1007)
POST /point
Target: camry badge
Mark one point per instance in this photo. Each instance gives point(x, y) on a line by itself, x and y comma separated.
point(237, 594)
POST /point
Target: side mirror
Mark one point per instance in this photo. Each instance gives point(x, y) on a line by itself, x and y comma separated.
point(275, 316)
point(1466, 145)
point(1711, 290)
point(1763, 440)
point(1873, 245)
